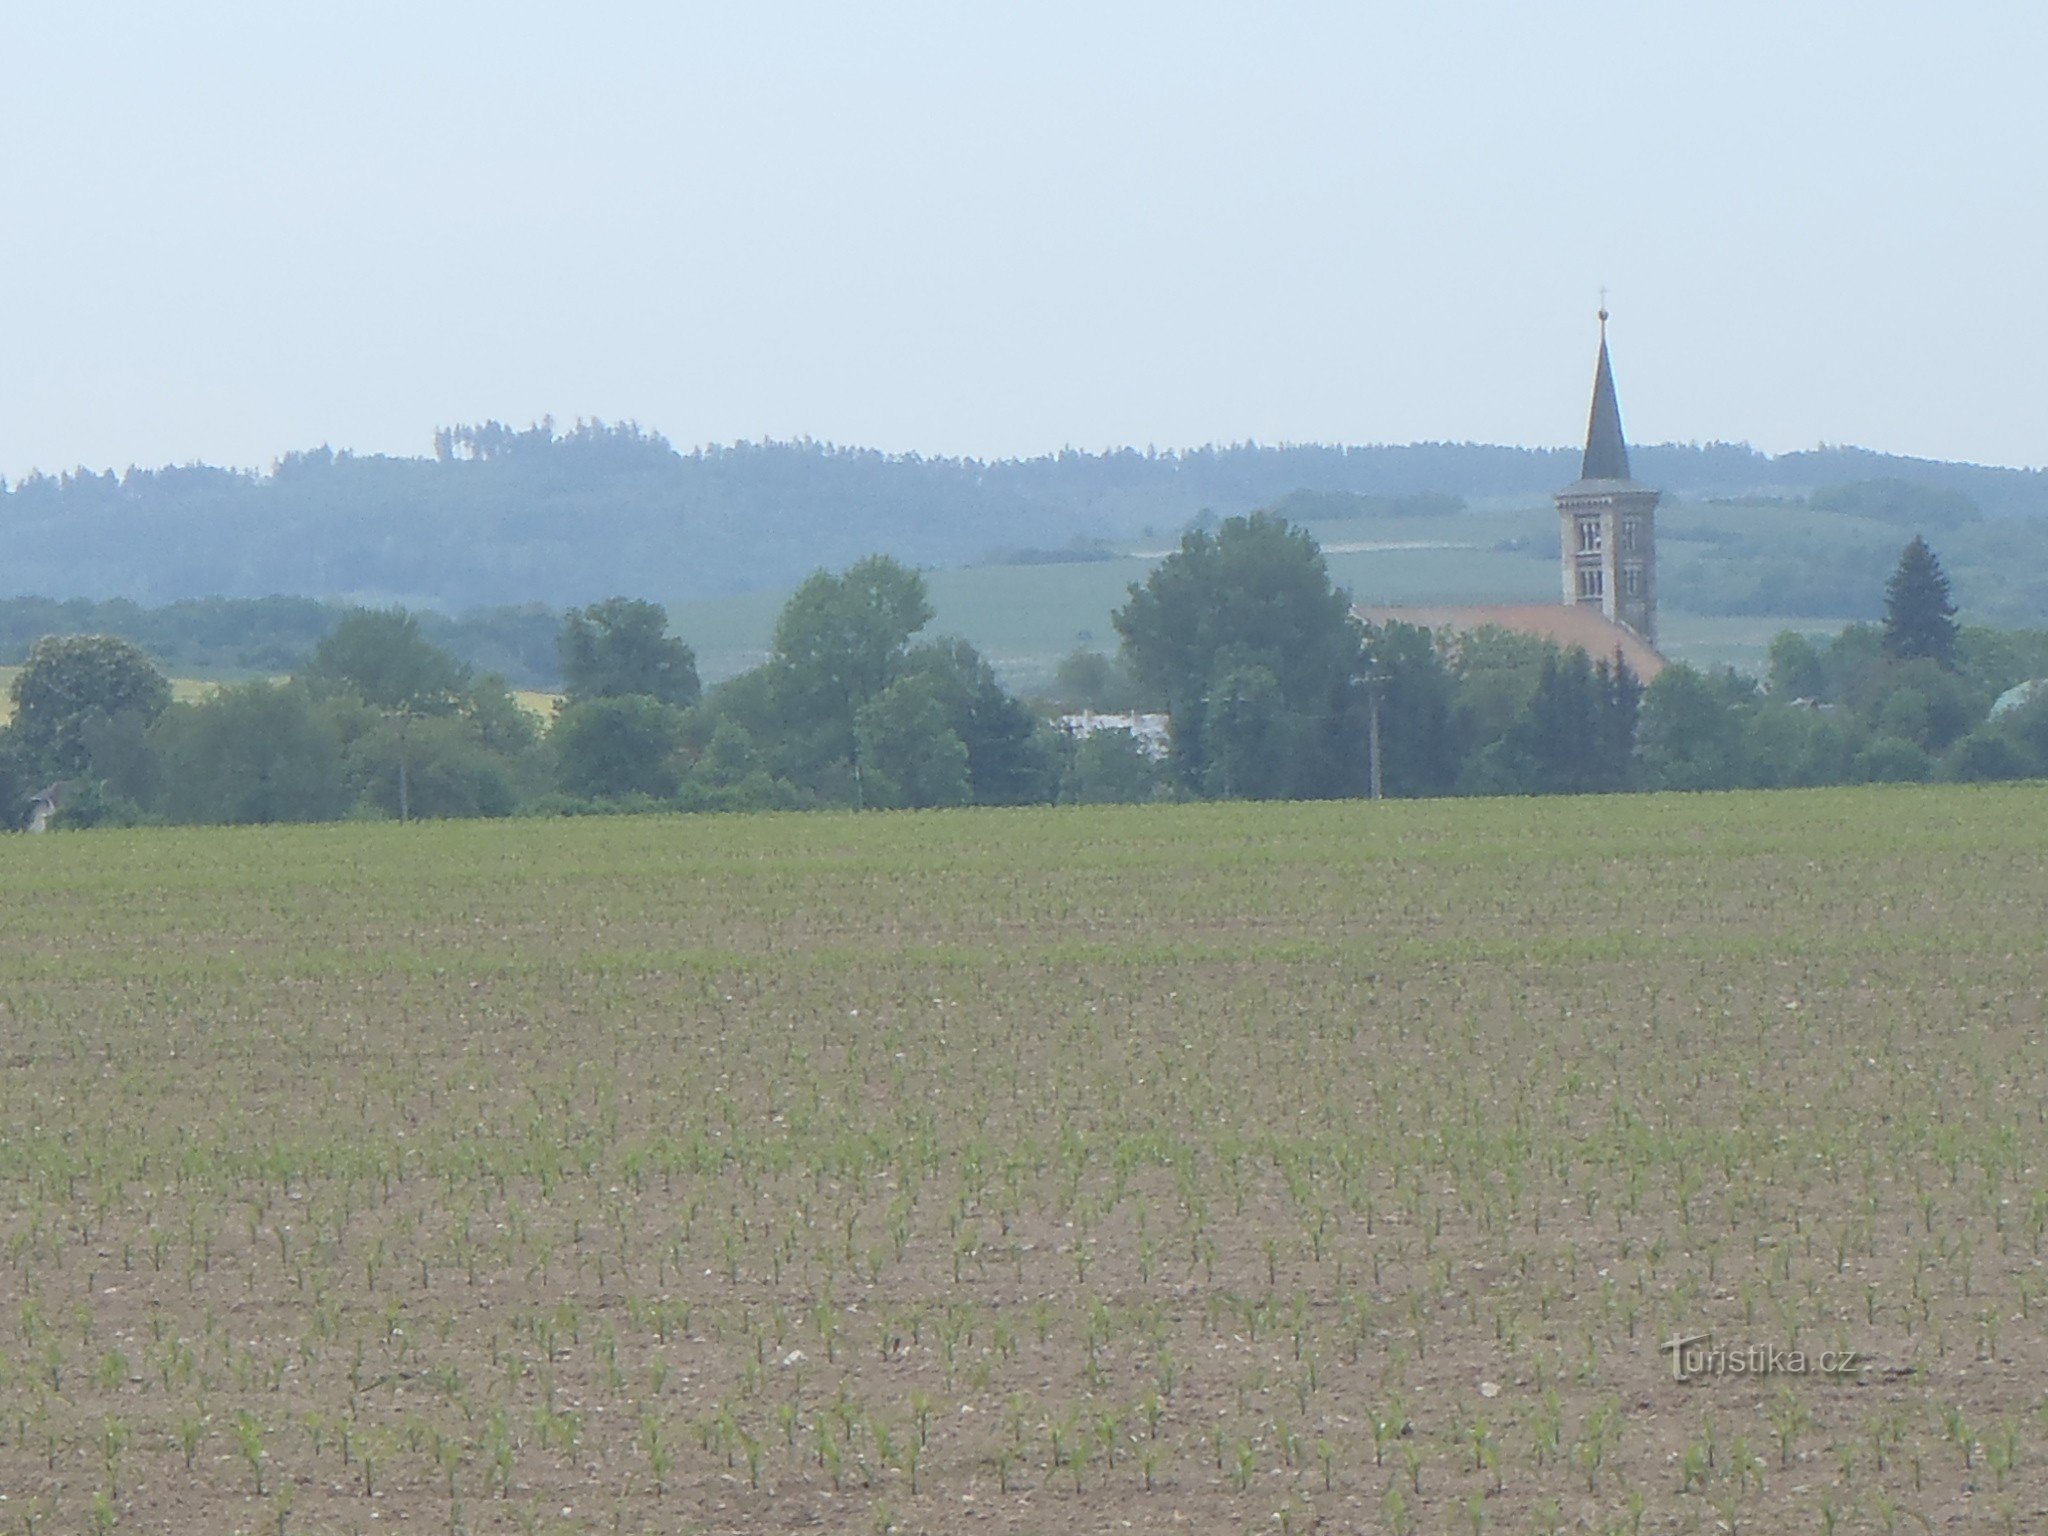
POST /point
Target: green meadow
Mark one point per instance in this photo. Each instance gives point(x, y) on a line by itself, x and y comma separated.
point(1025, 618)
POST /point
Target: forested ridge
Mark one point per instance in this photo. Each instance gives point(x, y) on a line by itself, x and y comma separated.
point(503, 517)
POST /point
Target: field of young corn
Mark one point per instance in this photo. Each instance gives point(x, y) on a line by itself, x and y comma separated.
point(1206, 1168)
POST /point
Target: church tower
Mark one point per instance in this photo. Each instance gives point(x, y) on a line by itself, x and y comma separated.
point(1607, 522)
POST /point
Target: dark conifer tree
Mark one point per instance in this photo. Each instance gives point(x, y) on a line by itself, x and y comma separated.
point(1621, 697)
point(1919, 619)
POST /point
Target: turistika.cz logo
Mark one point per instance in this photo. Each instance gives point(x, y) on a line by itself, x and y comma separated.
point(1694, 1356)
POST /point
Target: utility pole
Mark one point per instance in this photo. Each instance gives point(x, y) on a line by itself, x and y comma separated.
point(405, 785)
point(404, 774)
point(1372, 734)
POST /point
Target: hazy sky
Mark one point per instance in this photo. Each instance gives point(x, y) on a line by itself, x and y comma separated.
point(232, 230)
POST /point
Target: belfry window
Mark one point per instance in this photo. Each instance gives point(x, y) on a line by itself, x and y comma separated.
point(1591, 583)
point(1589, 535)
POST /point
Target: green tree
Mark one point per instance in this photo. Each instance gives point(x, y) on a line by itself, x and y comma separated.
point(729, 758)
point(1692, 732)
point(1797, 671)
point(1775, 740)
point(909, 754)
point(124, 768)
point(1010, 760)
point(1417, 695)
point(1496, 672)
point(19, 781)
point(379, 655)
point(609, 748)
point(1828, 754)
point(1923, 702)
point(1576, 733)
point(1618, 704)
point(731, 774)
point(1528, 718)
point(1854, 666)
point(256, 753)
point(443, 766)
point(750, 700)
point(1993, 660)
point(381, 659)
point(499, 720)
point(1919, 619)
point(621, 647)
point(1109, 767)
point(1892, 760)
point(1253, 596)
point(1245, 735)
point(1904, 715)
point(1989, 753)
point(68, 682)
point(2028, 724)
point(1087, 679)
point(839, 642)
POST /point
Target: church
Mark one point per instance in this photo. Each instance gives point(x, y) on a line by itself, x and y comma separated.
point(1607, 557)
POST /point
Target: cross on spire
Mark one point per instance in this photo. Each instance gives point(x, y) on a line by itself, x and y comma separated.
point(1606, 449)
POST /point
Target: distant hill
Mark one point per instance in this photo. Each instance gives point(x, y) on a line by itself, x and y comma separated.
point(503, 517)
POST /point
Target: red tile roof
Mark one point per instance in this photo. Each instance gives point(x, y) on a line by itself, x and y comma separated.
point(1580, 626)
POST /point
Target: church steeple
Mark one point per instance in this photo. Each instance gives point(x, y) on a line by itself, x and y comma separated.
point(1607, 523)
point(1606, 449)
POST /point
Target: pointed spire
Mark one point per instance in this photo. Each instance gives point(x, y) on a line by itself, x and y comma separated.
point(1606, 450)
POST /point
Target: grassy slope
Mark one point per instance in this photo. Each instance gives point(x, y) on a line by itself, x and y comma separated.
point(512, 1140)
point(1025, 618)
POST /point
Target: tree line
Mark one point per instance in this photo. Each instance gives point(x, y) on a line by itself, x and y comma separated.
point(1274, 687)
point(237, 636)
point(854, 709)
point(501, 516)
point(1272, 682)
